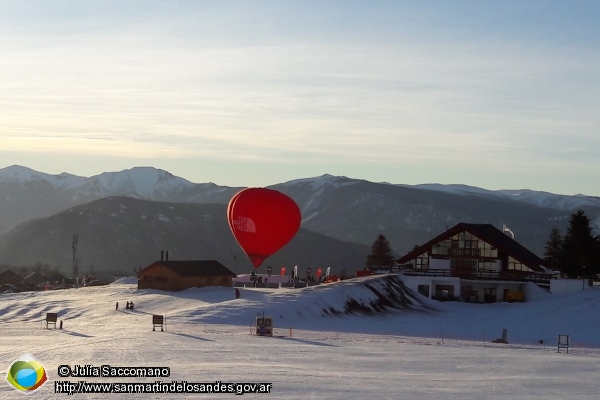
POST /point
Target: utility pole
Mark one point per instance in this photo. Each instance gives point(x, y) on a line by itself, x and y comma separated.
point(75, 266)
point(234, 259)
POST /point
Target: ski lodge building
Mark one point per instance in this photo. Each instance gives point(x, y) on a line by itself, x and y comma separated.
point(474, 263)
point(180, 275)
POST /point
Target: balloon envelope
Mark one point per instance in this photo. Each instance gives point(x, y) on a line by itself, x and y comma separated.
point(262, 221)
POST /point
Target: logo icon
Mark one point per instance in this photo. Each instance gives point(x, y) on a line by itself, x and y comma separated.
point(26, 374)
point(245, 224)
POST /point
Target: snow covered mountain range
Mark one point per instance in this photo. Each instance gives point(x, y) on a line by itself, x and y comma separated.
point(149, 183)
point(26, 194)
point(43, 209)
point(537, 198)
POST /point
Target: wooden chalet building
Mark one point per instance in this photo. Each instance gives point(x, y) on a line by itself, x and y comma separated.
point(180, 275)
point(474, 263)
point(9, 277)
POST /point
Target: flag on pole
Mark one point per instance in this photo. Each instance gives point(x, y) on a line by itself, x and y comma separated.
point(505, 229)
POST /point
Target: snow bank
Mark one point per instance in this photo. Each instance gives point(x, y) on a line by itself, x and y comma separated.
point(127, 280)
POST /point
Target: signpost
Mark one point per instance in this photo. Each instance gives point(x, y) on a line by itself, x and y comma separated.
point(51, 319)
point(158, 320)
point(563, 342)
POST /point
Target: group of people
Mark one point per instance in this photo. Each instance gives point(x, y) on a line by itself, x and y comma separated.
point(128, 306)
point(258, 279)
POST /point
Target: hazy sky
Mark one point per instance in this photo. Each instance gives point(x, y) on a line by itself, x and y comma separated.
point(495, 94)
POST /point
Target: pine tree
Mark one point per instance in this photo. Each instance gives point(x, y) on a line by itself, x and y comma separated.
point(381, 254)
point(579, 255)
point(553, 249)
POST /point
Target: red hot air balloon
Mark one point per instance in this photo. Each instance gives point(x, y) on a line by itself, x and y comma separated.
point(262, 221)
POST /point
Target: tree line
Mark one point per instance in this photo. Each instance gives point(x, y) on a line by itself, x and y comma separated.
point(24, 270)
point(576, 254)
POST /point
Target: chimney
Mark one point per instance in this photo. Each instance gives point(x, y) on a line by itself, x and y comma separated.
point(162, 254)
point(167, 254)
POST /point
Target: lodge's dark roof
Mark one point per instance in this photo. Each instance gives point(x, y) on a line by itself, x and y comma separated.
point(9, 276)
point(488, 233)
point(35, 278)
point(195, 268)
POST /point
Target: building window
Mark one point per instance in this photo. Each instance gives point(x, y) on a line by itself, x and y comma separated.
point(424, 290)
point(487, 250)
point(464, 244)
point(442, 248)
point(489, 295)
point(422, 261)
point(470, 294)
point(444, 292)
point(487, 268)
point(463, 268)
point(514, 265)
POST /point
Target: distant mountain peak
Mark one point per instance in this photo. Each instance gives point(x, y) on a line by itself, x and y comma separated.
point(142, 182)
point(20, 174)
point(322, 181)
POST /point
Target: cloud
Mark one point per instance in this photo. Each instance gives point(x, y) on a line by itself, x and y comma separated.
point(290, 84)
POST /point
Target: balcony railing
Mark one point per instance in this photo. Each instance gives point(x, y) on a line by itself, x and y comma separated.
point(515, 276)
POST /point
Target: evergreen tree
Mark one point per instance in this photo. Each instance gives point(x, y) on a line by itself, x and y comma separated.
point(579, 255)
point(596, 263)
point(553, 249)
point(381, 253)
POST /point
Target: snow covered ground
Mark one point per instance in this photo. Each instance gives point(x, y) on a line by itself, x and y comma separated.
point(418, 349)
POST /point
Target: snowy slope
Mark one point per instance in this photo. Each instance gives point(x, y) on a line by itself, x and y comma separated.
point(410, 353)
point(140, 182)
point(324, 307)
